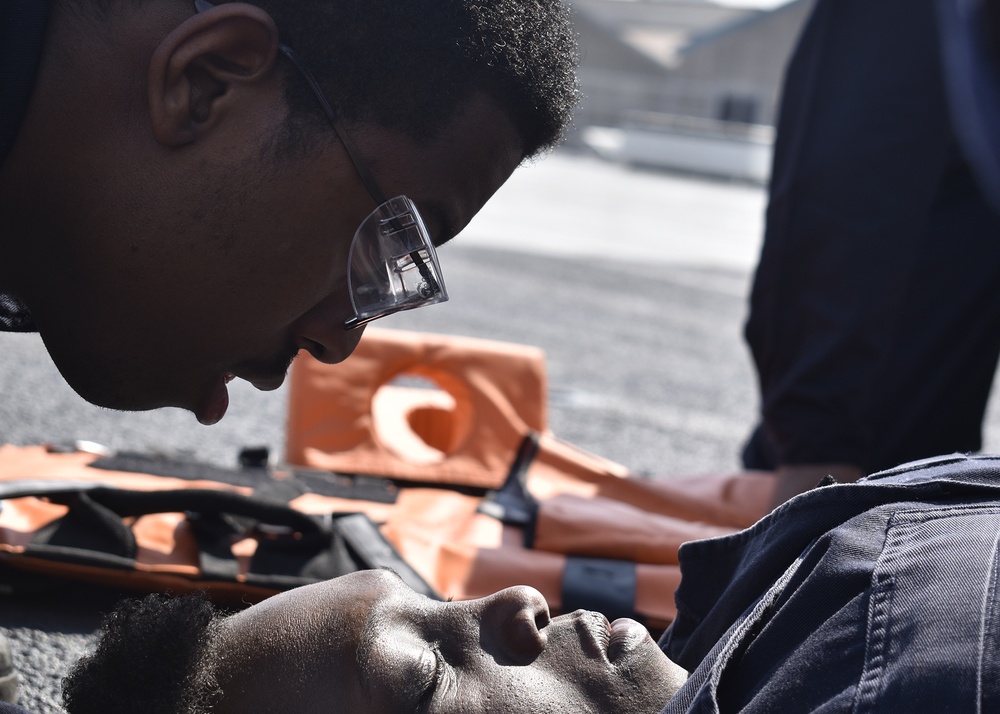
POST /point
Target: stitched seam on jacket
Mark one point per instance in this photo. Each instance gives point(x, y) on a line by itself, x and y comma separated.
point(879, 607)
point(899, 531)
point(879, 612)
point(987, 619)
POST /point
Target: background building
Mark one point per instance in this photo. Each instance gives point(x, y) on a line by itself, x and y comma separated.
point(654, 71)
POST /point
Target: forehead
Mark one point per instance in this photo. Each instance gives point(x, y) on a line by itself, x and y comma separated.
point(307, 635)
point(348, 595)
point(334, 611)
point(451, 176)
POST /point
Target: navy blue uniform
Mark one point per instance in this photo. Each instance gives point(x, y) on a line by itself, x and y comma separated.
point(875, 313)
point(880, 596)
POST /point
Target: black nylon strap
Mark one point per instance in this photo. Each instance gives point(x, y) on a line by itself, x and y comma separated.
point(323, 483)
point(293, 549)
point(512, 503)
point(215, 554)
point(358, 487)
point(205, 502)
point(93, 531)
point(267, 505)
point(87, 526)
point(376, 552)
point(178, 467)
point(600, 584)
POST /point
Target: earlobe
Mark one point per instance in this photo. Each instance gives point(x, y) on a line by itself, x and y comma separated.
point(194, 70)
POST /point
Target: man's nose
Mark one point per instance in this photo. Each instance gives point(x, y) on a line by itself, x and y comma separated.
point(321, 332)
point(516, 619)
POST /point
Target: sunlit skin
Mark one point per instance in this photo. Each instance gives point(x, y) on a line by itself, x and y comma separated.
point(178, 248)
point(367, 643)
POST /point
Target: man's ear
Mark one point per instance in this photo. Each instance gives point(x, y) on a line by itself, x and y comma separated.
point(195, 68)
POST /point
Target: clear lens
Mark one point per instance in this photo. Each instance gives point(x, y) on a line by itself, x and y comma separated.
point(393, 264)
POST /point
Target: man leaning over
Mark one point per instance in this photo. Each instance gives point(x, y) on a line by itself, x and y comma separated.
point(191, 193)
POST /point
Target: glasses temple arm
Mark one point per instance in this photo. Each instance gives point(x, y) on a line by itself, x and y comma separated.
point(359, 165)
point(352, 151)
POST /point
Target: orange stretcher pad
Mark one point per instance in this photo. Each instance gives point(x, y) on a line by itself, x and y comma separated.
point(467, 431)
point(474, 423)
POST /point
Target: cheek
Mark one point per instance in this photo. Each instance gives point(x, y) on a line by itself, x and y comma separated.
point(530, 689)
point(565, 680)
point(300, 270)
point(273, 285)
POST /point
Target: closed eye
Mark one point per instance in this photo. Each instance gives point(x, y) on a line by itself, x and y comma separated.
point(427, 697)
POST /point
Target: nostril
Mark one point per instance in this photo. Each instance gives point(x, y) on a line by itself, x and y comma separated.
point(313, 347)
point(524, 638)
point(517, 618)
point(536, 604)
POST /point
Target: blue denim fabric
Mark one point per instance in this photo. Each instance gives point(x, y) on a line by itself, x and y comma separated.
point(880, 596)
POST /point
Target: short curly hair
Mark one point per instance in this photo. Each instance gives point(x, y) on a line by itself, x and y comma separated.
point(407, 65)
point(153, 656)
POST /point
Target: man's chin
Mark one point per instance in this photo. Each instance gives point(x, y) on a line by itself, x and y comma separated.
point(112, 391)
point(109, 398)
point(674, 676)
point(118, 389)
point(657, 679)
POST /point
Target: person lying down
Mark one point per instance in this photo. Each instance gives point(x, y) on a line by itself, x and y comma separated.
point(365, 642)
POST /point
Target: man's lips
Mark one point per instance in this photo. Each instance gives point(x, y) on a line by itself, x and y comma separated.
point(626, 636)
point(266, 375)
point(611, 641)
point(266, 383)
point(215, 406)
